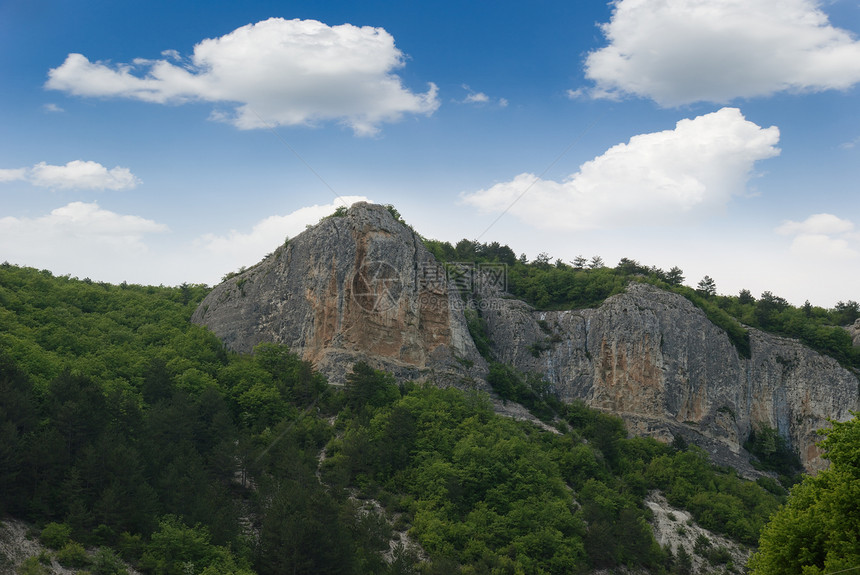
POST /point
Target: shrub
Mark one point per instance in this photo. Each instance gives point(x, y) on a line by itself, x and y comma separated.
point(31, 566)
point(73, 555)
point(107, 562)
point(718, 556)
point(702, 544)
point(130, 546)
point(56, 535)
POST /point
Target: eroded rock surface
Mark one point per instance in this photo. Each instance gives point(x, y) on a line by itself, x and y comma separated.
point(655, 359)
point(363, 287)
point(675, 528)
point(854, 332)
point(352, 288)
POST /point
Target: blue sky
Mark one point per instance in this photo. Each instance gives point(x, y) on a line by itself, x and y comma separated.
point(162, 142)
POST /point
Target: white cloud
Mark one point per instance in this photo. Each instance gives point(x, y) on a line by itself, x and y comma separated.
point(213, 255)
point(79, 235)
point(84, 240)
point(851, 144)
point(816, 224)
point(244, 248)
point(822, 246)
point(477, 98)
point(473, 97)
point(288, 72)
point(653, 179)
point(682, 51)
point(12, 175)
point(83, 220)
point(822, 236)
point(77, 174)
point(50, 107)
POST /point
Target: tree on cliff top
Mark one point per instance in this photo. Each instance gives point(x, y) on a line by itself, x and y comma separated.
point(816, 532)
point(707, 286)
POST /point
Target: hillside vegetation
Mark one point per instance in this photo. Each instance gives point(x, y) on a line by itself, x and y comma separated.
point(125, 428)
point(815, 533)
point(582, 283)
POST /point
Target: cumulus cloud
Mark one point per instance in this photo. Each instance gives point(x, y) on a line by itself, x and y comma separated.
point(653, 179)
point(50, 107)
point(77, 174)
point(822, 236)
point(473, 97)
point(822, 246)
point(477, 98)
point(685, 51)
point(73, 233)
point(237, 248)
point(288, 72)
point(816, 224)
point(83, 239)
point(14, 174)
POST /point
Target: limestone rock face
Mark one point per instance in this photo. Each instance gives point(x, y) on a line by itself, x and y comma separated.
point(655, 359)
point(357, 287)
point(363, 287)
point(854, 332)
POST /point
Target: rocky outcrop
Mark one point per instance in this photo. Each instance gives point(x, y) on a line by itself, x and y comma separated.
point(675, 528)
point(20, 550)
point(655, 359)
point(854, 332)
point(356, 287)
point(363, 287)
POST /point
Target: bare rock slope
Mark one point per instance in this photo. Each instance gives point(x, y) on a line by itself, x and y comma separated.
point(655, 359)
point(351, 288)
point(363, 287)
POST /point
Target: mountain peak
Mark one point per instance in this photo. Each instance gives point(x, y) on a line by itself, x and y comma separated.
point(360, 285)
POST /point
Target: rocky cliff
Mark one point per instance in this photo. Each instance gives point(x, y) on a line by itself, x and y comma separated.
point(655, 359)
point(854, 332)
point(357, 287)
point(363, 287)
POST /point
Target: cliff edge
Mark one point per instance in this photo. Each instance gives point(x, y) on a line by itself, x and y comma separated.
point(358, 287)
point(655, 359)
point(362, 286)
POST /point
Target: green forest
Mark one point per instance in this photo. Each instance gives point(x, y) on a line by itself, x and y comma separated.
point(130, 436)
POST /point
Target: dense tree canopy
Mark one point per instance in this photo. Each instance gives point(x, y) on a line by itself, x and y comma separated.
point(124, 427)
point(817, 530)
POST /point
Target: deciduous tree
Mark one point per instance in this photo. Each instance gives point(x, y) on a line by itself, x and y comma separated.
point(816, 531)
